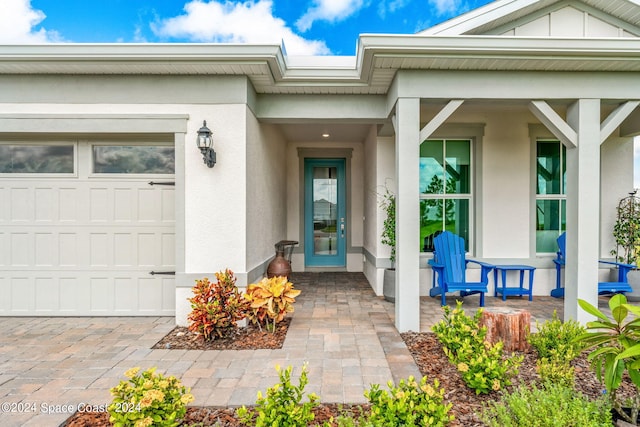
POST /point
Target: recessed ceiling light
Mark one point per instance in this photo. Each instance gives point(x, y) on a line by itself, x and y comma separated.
point(326, 135)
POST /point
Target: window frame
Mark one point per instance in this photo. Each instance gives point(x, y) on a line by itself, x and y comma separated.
point(456, 196)
point(128, 143)
point(561, 197)
point(43, 143)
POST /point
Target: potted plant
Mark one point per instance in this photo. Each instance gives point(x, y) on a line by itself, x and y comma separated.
point(626, 232)
point(388, 237)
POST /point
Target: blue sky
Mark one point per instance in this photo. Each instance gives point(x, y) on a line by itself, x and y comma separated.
point(308, 27)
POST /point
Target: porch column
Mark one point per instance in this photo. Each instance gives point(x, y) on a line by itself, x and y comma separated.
point(583, 209)
point(408, 214)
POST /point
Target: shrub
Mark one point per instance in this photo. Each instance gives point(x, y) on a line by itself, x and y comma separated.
point(556, 346)
point(408, 404)
point(556, 369)
point(283, 405)
point(615, 345)
point(271, 298)
point(557, 336)
point(216, 307)
point(552, 405)
point(480, 363)
point(148, 399)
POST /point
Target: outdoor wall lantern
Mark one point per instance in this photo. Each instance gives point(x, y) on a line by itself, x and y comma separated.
point(205, 143)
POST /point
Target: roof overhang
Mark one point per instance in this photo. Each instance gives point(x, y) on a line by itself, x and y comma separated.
point(371, 71)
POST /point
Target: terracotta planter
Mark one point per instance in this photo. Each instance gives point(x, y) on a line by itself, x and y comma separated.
point(279, 266)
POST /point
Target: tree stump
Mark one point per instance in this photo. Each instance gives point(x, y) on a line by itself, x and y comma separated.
point(510, 326)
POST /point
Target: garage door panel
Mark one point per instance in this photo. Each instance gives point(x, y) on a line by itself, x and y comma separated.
point(168, 295)
point(99, 203)
point(149, 297)
point(69, 206)
point(47, 295)
point(46, 204)
point(100, 250)
point(21, 249)
point(126, 295)
point(45, 253)
point(4, 249)
point(123, 205)
point(148, 250)
point(73, 296)
point(149, 204)
point(168, 250)
point(83, 244)
point(168, 206)
point(124, 248)
point(22, 294)
point(68, 249)
point(22, 205)
point(101, 295)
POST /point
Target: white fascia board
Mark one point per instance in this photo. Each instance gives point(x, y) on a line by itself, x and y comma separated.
point(477, 17)
point(407, 45)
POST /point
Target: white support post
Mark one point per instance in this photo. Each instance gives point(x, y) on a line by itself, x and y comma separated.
point(583, 209)
point(408, 214)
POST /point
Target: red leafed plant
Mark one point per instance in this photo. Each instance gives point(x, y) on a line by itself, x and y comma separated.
point(216, 307)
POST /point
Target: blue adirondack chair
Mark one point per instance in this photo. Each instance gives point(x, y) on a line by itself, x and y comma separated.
point(617, 287)
point(450, 265)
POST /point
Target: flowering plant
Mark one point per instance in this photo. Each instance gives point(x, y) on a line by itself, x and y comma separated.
point(216, 307)
point(481, 364)
point(148, 399)
point(271, 298)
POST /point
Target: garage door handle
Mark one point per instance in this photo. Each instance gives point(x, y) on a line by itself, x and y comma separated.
point(167, 273)
point(152, 183)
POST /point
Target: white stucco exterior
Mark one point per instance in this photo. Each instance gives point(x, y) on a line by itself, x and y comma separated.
point(502, 76)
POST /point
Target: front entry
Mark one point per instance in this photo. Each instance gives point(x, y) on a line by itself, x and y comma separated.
point(325, 213)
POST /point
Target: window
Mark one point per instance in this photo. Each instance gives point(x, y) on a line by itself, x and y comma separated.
point(28, 158)
point(130, 159)
point(550, 194)
point(445, 189)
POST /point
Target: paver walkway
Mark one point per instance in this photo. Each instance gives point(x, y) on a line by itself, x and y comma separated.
point(49, 367)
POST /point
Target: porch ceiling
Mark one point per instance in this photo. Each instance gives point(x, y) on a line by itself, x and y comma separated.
point(312, 132)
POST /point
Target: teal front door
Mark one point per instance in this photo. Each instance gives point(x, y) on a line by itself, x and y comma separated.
point(325, 222)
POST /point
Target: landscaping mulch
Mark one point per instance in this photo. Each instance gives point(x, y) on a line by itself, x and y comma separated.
point(425, 349)
point(252, 337)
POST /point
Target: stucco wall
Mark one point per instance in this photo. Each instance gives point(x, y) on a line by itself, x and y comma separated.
point(266, 193)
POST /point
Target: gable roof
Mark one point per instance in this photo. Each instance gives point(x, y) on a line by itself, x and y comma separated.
point(498, 13)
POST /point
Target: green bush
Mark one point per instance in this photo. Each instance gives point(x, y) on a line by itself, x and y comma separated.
point(551, 405)
point(282, 407)
point(408, 404)
point(556, 336)
point(481, 364)
point(148, 399)
point(556, 369)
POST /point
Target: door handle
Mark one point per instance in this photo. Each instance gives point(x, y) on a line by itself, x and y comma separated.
point(342, 230)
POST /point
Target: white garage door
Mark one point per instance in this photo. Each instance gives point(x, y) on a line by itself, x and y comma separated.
point(81, 229)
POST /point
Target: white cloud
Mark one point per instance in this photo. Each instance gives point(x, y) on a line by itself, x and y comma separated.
point(328, 10)
point(17, 22)
point(446, 6)
point(228, 22)
point(390, 6)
